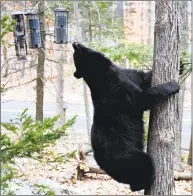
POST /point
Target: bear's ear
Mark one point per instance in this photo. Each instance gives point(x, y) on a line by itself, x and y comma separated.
point(77, 47)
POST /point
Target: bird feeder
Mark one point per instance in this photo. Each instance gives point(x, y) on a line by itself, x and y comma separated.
point(33, 26)
point(20, 35)
point(61, 26)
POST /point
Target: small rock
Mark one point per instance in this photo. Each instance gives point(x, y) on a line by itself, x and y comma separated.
point(67, 174)
point(57, 188)
point(19, 187)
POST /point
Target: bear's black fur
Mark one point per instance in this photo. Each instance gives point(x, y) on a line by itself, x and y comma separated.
point(119, 97)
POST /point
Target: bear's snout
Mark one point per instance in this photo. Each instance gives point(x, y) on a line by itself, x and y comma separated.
point(74, 44)
point(77, 75)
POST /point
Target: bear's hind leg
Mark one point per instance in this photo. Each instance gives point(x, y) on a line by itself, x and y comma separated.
point(136, 169)
point(143, 174)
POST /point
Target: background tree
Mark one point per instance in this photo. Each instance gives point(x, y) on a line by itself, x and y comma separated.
point(190, 149)
point(183, 50)
point(163, 118)
point(149, 22)
point(119, 12)
point(142, 20)
point(79, 37)
point(40, 67)
point(60, 84)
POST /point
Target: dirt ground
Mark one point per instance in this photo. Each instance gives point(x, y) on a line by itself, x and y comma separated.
point(90, 184)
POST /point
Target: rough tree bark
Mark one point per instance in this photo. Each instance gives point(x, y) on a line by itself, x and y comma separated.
point(85, 88)
point(40, 68)
point(119, 12)
point(87, 110)
point(60, 84)
point(119, 15)
point(164, 116)
point(142, 20)
point(90, 23)
point(183, 47)
point(6, 62)
point(149, 22)
point(190, 149)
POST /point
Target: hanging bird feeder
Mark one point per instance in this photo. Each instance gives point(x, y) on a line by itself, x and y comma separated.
point(20, 35)
point(61, 26)
point(33, 26)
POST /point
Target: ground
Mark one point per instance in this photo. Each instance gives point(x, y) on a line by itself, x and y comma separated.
point(90, 184)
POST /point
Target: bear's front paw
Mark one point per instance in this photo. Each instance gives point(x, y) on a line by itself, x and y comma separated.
point(173, 87)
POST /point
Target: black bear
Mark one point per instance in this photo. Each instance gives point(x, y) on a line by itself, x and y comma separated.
point(120, 96)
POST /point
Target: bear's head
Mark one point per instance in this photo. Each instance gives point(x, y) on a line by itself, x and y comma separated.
point(89, 63)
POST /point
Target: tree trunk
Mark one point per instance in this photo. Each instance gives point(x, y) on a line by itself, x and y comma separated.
point(119, 16)
point(40, 68)
point(190, 149)
point(77, 22)
point(87, 110)
point(33, 58)
point(184, 47)
point(119, 12)
point(79, 38)
point(60, 85)
point(90, 24)
point(164, 116)
point(178, 131)
point(149, 22)
point(85, 88)
point(141, 20)
point(23, 69)
point(6, 62)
